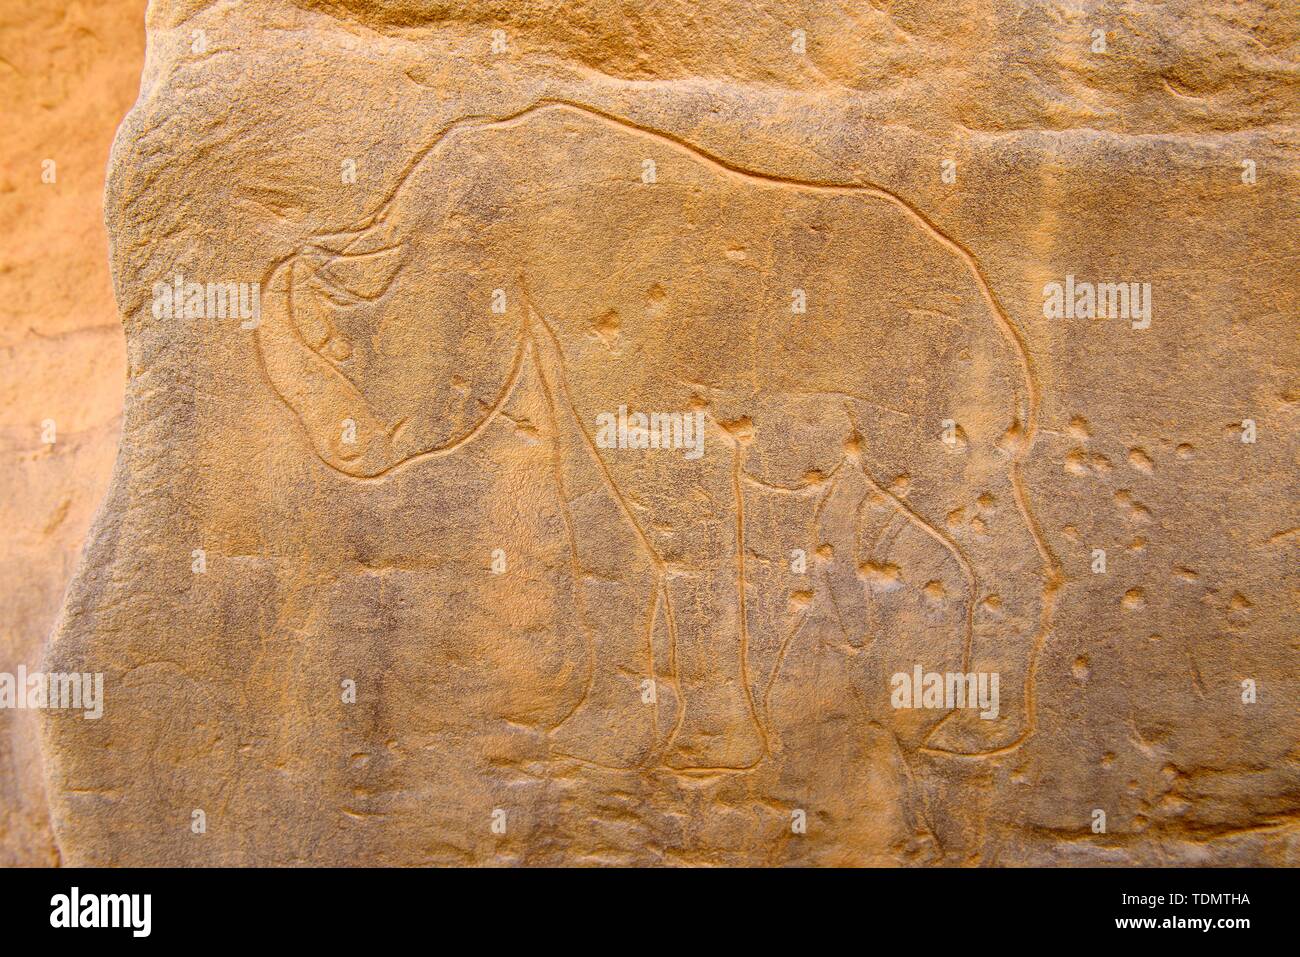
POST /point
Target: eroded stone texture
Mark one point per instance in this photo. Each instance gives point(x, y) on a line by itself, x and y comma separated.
point(480, 234)
point(68, 73)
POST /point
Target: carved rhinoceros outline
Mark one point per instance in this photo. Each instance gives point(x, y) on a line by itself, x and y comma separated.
point(296, 354)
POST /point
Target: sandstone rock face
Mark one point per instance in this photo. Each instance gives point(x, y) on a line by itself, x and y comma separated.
point(619, 433)
point(68, 74)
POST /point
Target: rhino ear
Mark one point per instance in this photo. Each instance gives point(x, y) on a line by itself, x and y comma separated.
point(335, 273)
point(351, 268)
point(352, 278)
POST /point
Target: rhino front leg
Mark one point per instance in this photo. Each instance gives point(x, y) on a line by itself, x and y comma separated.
point(686, 519)
point(719, 728)
point(617, 589)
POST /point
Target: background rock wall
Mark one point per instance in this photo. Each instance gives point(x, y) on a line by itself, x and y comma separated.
point(1124, 687)
point(68, 74)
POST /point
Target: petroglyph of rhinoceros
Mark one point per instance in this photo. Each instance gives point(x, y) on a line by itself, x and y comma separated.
point(840, 347)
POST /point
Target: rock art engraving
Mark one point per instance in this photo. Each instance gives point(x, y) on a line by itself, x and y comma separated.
point(664, 434)
point(390, 326)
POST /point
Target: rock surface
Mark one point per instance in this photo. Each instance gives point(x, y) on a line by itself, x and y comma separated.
point(633, 404)
point(68, 74)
